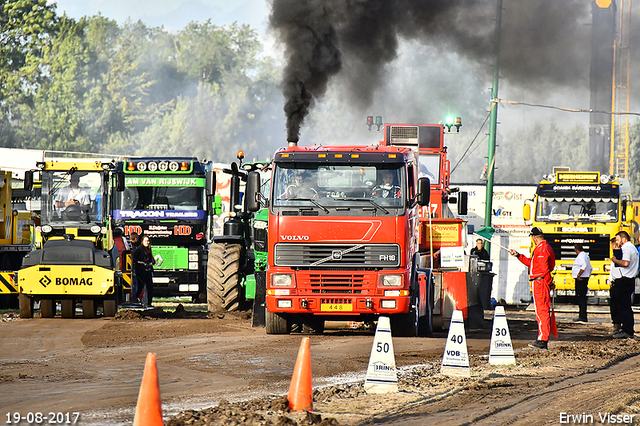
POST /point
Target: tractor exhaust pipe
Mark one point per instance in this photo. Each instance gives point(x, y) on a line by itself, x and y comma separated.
point(293, 141)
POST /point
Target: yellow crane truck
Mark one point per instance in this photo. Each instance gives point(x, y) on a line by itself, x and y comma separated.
point(71, 262)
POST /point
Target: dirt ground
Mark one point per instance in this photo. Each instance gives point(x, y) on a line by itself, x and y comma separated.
point(217, 369)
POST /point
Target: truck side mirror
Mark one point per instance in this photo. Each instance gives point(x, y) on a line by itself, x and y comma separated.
point(210, 187)
point(526, 212)
point(252, 191)
point(463, 203)
point(120, 181)
point(28, 180)
point(424, 191)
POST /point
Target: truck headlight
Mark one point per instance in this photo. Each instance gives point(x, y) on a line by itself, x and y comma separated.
point(391, 280)
point(282, 280)
point(193, 256)
point(260, 224)
point(46, 229)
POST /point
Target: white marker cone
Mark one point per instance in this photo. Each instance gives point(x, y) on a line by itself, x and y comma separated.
point(455, 361)
point(501, 350)
point(382, 376)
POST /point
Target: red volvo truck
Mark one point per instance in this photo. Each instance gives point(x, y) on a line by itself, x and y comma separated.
point(351, 230)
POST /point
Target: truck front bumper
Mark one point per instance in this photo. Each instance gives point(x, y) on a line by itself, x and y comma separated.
point(342, 305)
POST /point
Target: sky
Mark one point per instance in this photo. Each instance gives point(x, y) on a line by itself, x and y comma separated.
point(172, 14)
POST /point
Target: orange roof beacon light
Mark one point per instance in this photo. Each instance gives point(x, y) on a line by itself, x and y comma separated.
point(184, 166)
point(131, 166)
point(458, 124)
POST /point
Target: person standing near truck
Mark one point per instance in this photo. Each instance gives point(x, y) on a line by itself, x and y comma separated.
point(624, 286)
point(144, 261)
point(614, 276)
point(581, 271)
point(541, 263)
point(479, 250)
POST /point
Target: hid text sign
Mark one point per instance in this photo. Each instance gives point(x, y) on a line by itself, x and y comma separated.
point(578, 177)
point(164, 181)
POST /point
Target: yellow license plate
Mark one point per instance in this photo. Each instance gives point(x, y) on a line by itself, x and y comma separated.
point(336, 307)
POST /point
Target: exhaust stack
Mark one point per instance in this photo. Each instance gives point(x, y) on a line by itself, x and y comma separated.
point(293, 141)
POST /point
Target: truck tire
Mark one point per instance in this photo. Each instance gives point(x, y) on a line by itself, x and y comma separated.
point(405, 325)
point(88, 308)
point(277, 323)
point(110, 307)
point(26, 306)
point(47, 308)
point(68, 308)
point(223, 277)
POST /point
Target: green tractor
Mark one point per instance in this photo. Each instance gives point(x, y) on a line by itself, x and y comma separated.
point(239, 255)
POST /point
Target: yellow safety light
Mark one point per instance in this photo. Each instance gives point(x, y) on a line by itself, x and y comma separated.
point(392, 155)
point(338, 155)
point(355, 155)
point(322, 155)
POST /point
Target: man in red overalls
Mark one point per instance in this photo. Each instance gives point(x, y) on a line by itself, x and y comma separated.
point(541, 263)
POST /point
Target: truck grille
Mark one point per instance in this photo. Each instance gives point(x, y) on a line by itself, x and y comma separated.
point(323, 256)
point(339, 283)
point(596, 245)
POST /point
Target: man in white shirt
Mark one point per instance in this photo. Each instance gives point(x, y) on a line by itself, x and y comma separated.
point(581, 271)
point(72, 195)
point(624, 286)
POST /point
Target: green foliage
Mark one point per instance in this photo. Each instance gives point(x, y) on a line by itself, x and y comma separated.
point(634, 158)
point(95, 86)
point(524, 156)
point(26, 31)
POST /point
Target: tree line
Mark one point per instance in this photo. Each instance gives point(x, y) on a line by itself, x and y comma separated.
point(95, 86)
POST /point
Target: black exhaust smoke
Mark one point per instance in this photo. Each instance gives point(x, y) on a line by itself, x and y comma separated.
point(541, 43)
point(312, 56)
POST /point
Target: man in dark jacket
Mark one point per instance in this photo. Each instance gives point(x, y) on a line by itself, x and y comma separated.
point(480, 251)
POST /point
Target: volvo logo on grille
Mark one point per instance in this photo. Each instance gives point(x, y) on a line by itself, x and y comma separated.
point(45, 281)
point(336, 255)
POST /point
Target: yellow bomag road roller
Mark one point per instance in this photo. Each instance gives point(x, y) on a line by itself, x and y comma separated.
point(72, 263)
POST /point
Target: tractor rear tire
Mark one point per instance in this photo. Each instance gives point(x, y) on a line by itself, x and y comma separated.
point(47, 308)
point(68, 308)
point(26, 306)
point(277, 323)
point(223, 277)
point(88, 308)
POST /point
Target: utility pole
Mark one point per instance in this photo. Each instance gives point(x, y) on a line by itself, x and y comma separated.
point(493, 122)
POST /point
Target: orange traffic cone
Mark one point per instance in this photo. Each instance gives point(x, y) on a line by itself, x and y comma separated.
point(149, 407)
point(300, 396)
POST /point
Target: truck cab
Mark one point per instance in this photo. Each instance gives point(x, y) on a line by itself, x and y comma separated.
point(343, 224)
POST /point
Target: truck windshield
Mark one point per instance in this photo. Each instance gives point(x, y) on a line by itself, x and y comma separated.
point(362, 185)
point(72, 196)
point(577, 209)
point(160, 198)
